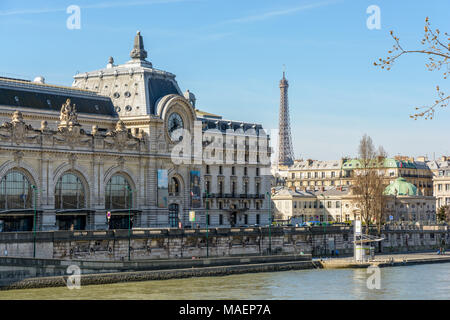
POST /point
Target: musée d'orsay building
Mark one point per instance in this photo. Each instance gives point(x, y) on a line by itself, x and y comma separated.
point(85, 157)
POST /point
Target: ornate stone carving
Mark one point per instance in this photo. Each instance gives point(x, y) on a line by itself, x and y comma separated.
point(68, 115)
point(94, 130)
point(18, 156)
point(69, 130)
point(121, 162)
point(72, 159)
point(44, 126)
point(120, 138)
point(17, 130)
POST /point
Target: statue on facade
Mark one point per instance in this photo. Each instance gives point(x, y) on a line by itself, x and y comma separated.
point(68, 115)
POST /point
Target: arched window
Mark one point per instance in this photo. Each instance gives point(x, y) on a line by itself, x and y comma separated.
point(69, 192)
point(174, 187)
point(117, 193)
point(15, 191)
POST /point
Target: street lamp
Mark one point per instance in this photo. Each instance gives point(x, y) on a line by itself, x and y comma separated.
point(129, 221)
point(206, 209)
point(270, 221)
point(34, 220)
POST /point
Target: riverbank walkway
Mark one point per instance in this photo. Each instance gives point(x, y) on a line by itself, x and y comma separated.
point(385, 260)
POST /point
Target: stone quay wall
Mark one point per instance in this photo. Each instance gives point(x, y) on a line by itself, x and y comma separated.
point(112, 245)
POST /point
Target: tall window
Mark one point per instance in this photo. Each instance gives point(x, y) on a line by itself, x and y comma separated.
point(69, 192)
point(117, 194)
point(220, 187)
point(173, 215)
point(15, 191)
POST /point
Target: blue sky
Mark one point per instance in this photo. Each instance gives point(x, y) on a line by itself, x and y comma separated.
point(231, 55)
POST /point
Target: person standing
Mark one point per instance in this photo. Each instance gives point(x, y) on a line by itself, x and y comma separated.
point(442, 249)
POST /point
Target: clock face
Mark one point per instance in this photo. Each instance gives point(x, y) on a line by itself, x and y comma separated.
point(175, 122)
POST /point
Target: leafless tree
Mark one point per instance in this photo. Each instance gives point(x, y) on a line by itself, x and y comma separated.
point(369, 182)
point(438, 54)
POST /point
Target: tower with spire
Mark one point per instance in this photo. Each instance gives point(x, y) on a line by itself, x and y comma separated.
point(285, 150)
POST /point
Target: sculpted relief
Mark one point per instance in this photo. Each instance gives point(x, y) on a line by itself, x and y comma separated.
point(120, 138)
point(69, 132)
point(17, 130)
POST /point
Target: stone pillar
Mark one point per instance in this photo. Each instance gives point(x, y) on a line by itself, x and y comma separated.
point(46, 198)
point(100, 222)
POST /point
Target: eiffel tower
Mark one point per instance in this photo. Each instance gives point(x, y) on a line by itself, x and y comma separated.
point(285, 150)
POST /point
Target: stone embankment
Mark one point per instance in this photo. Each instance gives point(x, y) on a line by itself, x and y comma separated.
point(392, 260)
point(39, 273)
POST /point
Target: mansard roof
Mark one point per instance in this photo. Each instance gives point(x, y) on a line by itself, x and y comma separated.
point(27, 94)
point(216, 122)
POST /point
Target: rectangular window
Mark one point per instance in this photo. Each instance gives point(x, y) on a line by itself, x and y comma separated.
point(257, 218)
point(246, 219)
point(329, 204)
point(220, 219)
point(220, 169)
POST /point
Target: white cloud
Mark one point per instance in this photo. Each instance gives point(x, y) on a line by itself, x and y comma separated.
point(104, 5)
point(275, 13)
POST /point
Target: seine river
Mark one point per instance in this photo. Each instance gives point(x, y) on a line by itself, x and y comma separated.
point(430, 281)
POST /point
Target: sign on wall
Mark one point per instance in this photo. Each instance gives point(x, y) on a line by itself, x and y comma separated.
point(191, 216)
point(195, 189)
point(163, 188)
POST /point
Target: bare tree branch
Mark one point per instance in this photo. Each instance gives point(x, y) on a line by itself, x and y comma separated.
point(438, 55)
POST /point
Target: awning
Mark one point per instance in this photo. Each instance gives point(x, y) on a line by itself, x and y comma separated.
point(123, 212)
point(73, 212)
point(18, 212)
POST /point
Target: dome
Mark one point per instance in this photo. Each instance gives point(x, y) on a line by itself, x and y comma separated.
point(39, 79)
point(401, 187)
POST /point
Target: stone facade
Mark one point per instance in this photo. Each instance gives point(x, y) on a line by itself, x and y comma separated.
point(315, 175)
point(88, 156)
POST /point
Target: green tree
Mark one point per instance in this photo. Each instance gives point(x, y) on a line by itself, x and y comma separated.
point(443, 213)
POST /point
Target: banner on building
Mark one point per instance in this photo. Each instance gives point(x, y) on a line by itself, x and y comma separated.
point(195, 189)
point(163, 188)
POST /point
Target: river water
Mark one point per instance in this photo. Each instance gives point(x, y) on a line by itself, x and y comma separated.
point(430, 281)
